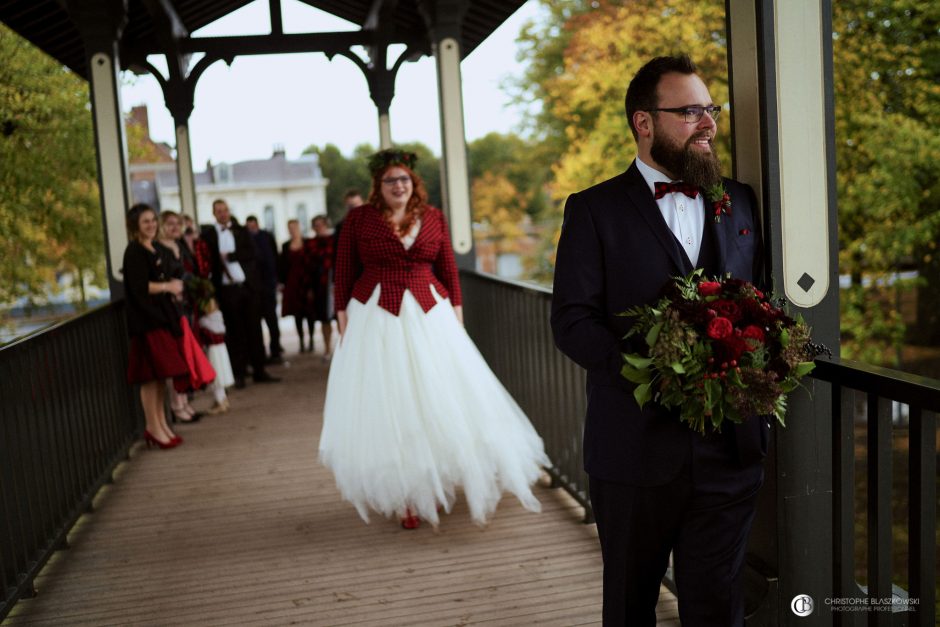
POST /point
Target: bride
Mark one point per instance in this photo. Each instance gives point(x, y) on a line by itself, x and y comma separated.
point(412, 410)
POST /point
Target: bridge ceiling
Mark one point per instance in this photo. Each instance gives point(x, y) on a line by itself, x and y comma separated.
point(46, 23)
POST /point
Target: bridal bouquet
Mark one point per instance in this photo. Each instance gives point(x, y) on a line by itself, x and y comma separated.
point(718, 350)
point(201, 292)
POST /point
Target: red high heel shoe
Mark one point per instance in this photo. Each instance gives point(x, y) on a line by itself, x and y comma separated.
point(151, 440)
point(410, 521)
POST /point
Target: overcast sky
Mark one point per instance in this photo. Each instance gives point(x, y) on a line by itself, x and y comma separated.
point(296, 100)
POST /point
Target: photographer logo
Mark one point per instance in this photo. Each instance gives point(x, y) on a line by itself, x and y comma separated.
point(802, 605)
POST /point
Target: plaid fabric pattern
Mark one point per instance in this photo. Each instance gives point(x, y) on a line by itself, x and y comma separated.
point(369, 254)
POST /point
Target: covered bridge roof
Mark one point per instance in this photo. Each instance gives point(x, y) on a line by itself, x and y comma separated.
point(47, 24)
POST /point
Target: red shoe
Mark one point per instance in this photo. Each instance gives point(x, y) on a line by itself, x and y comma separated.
point(151, 440)
point(410, 521)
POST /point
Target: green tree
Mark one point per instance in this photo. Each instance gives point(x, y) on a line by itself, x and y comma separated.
point(344, 174)
point(523, 162)
point(50, 215)
point(581, 54)
point(887, 85)
point(581, 74)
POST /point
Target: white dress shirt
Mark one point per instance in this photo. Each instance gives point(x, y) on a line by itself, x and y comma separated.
point(684, 216)
point(234, 274)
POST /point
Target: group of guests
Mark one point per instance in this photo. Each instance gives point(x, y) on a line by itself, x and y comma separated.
point(222, 282)
point(305, 268)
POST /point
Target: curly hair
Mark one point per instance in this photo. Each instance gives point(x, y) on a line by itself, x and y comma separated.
point(416, 204)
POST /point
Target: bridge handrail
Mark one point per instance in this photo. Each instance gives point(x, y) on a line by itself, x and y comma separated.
point(67, 418)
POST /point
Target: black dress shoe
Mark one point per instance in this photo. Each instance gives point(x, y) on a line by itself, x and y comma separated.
point(264, 377)
point(239, 383)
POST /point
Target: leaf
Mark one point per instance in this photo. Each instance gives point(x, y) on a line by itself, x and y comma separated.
point(653, 334)
point(635, 375)
point(637, 361)
point(677, 367)
point(643, 394)
point(784, 338)
point(804, 368)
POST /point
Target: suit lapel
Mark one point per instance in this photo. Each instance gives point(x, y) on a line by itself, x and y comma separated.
point(639, 194)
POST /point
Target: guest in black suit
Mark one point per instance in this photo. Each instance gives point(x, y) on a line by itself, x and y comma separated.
point(267, 265)
point(656, 486)
point(238, 288)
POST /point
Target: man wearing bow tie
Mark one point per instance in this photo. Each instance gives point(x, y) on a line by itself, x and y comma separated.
point(238, 289)
point(656, 486)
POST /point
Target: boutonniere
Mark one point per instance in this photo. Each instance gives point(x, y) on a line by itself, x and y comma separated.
point(718, 196)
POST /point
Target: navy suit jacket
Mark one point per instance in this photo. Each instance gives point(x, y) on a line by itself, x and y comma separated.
point(616, 252)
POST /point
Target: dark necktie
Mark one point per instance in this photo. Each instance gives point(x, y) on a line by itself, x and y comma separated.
point(663, 188)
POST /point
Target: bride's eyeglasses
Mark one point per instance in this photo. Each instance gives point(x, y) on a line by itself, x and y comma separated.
point(404, 180)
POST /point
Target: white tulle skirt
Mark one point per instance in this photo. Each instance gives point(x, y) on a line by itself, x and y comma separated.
point(413, 412)
point(218, 357)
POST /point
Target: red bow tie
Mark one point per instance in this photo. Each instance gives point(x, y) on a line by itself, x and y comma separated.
point(663, 188)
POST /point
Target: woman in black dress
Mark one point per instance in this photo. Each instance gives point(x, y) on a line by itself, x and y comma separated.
point(322, 251)
point(162, 345)
point(294, 268)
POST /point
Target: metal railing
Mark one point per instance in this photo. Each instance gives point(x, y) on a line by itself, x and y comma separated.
point(67, 418)
point(881, 389)
point(509, 321)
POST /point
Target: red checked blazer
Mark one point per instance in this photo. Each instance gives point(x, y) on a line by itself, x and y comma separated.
point(369, 254)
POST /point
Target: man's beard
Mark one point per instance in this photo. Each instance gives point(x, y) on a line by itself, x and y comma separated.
point(686, 163)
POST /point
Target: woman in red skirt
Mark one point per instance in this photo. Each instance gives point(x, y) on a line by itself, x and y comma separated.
point(162, 345)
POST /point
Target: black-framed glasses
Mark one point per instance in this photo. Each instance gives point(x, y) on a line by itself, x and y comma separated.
point(693, 113)
point(403, 179)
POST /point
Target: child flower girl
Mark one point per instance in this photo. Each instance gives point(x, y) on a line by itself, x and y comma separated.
point(212, 328)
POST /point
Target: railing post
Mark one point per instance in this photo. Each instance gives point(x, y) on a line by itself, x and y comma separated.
point(922, 502)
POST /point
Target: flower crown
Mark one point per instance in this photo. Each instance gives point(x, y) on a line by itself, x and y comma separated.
point(385, 158)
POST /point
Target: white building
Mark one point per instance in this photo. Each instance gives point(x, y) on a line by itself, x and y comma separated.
point(275, 190)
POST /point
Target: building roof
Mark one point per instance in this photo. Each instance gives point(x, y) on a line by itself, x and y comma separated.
point(277, 169)
point(47, 24)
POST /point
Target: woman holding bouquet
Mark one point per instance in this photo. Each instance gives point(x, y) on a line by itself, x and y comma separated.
point(178, 259)
point(412, 410)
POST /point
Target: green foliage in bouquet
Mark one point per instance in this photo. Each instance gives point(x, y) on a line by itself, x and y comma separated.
point(717, 350)
point(201, 292)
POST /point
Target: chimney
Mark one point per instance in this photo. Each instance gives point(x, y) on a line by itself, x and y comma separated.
point(279, 152)
point(140, 117)
point(210, 171)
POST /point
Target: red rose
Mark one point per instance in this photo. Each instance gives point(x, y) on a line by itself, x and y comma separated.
point(727, 309)
point(709, 288)
point(730, 348)
point(719, 328)
point(754, 334)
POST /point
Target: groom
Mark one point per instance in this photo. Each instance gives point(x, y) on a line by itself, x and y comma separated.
point(656, 486)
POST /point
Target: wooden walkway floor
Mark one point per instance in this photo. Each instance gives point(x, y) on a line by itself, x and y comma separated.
point(240, 525)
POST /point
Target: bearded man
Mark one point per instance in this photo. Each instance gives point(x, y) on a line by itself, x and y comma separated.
point(656, 486)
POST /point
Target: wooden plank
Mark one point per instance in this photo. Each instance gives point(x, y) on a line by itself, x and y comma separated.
point(241, 525)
